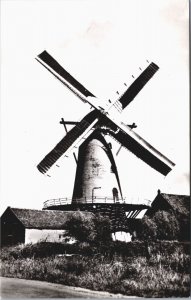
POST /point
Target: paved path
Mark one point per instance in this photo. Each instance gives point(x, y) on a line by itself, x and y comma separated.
point(22, 288)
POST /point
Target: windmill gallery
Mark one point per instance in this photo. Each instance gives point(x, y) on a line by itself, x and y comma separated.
point(97, 187)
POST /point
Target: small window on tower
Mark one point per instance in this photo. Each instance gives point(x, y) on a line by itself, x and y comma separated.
point(110, 145)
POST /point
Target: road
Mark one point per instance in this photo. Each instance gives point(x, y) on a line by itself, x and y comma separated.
point(22, 288)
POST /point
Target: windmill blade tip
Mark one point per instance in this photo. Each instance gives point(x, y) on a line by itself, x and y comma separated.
point(155, 65)
point(43, 52)
point(40, 169)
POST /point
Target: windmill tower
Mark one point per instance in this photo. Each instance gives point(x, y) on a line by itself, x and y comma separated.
point(96, 168)
point(96, 174)
point(97, 177)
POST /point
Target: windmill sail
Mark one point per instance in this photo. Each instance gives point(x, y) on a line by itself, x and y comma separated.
point(86, 96)
point(73, 137)
point(120, 131)
point(143, 152)
point(60, 73)
point(138, 84)
point(141, 148)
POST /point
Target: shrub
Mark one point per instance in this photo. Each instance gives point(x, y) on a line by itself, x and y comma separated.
point(168, 227)
point(95, 230)
point(40, 249)
point(162, 226)
point(80, 228)
point(162, 275)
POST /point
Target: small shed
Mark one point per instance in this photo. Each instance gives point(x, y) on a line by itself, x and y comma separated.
point(30, 226)
point(178, 205)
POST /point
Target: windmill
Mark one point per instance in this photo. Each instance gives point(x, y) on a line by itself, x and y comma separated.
point(88, 135)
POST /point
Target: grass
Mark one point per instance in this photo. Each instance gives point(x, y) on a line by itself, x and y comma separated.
point(157, 275)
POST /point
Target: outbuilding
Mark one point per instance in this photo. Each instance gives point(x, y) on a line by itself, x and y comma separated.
point(31, 226)
point(177, 206)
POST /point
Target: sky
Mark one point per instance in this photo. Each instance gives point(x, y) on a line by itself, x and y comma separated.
point(102, 44)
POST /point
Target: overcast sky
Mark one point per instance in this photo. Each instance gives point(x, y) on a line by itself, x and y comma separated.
point(101, 43)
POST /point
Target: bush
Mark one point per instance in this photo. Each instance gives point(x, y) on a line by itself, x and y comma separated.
point(40, 249)
point(95, 230)
point(144, 248)
point(162, 275)
point(168, 227)
point(162, 226)
point(80, 227)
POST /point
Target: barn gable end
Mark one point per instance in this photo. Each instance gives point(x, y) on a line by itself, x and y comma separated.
point(12, 229)
point(179, 204)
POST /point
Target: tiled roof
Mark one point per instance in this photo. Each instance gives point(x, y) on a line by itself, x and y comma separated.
point(45, 219)
point(179, 203)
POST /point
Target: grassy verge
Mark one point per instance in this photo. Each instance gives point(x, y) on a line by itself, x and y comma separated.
point(156, 275)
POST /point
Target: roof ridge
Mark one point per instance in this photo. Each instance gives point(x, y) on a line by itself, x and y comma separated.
point(51, 210)
point(175, 195)
point(44, 219)
point(24, 208)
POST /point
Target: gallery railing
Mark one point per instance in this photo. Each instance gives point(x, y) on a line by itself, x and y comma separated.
point(66, 201)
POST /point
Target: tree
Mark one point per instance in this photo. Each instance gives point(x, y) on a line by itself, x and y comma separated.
point(168, 227)
point(91, 229)
point(80, 227)
point(147, 230)
point(162, 226)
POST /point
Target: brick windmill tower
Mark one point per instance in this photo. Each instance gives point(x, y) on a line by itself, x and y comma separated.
point(97, 185)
